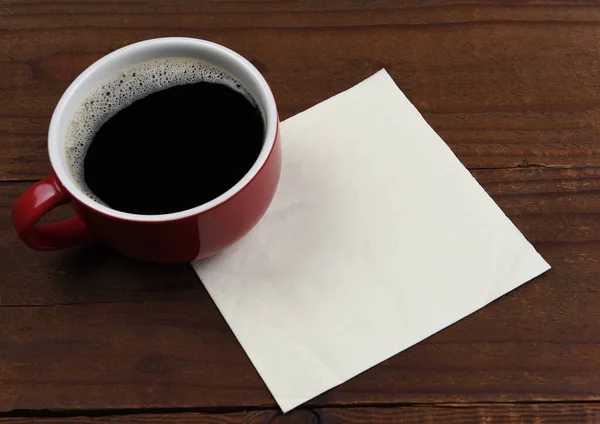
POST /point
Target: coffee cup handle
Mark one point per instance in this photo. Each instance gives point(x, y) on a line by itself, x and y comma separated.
point(37, 201)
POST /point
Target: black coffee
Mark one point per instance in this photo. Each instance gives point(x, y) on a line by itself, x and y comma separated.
point(172, 149)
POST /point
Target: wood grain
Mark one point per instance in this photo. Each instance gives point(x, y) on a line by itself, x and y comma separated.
point(512, 86)
point(450, 414)
point(504, 86)
point(99, 328)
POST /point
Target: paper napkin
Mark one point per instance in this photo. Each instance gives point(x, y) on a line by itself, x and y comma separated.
point(377, 238)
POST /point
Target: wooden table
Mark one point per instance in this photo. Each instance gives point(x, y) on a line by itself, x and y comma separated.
point(513, 87)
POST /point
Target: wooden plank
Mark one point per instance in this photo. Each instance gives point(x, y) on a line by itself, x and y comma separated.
point(88, 329)
point(498, 101)
point(554, 208)
point(450, 414)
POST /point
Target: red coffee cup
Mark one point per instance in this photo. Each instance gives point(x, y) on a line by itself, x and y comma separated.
point(174, 237)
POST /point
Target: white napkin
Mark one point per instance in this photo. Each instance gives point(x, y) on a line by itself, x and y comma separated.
point(377, 238)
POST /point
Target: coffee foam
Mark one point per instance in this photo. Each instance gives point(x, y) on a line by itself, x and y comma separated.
point(121, 90)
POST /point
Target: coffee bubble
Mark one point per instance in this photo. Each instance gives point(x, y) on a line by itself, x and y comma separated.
point(124, 88)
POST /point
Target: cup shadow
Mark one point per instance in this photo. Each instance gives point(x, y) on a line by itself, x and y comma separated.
point(95, 269)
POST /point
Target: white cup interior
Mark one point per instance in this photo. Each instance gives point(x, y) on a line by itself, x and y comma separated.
point(143, 51)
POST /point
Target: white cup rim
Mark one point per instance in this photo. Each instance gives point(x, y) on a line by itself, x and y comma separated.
point(56, 147)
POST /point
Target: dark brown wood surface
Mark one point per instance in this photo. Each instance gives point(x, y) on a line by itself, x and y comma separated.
point(417, 414)
point(512, 86)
